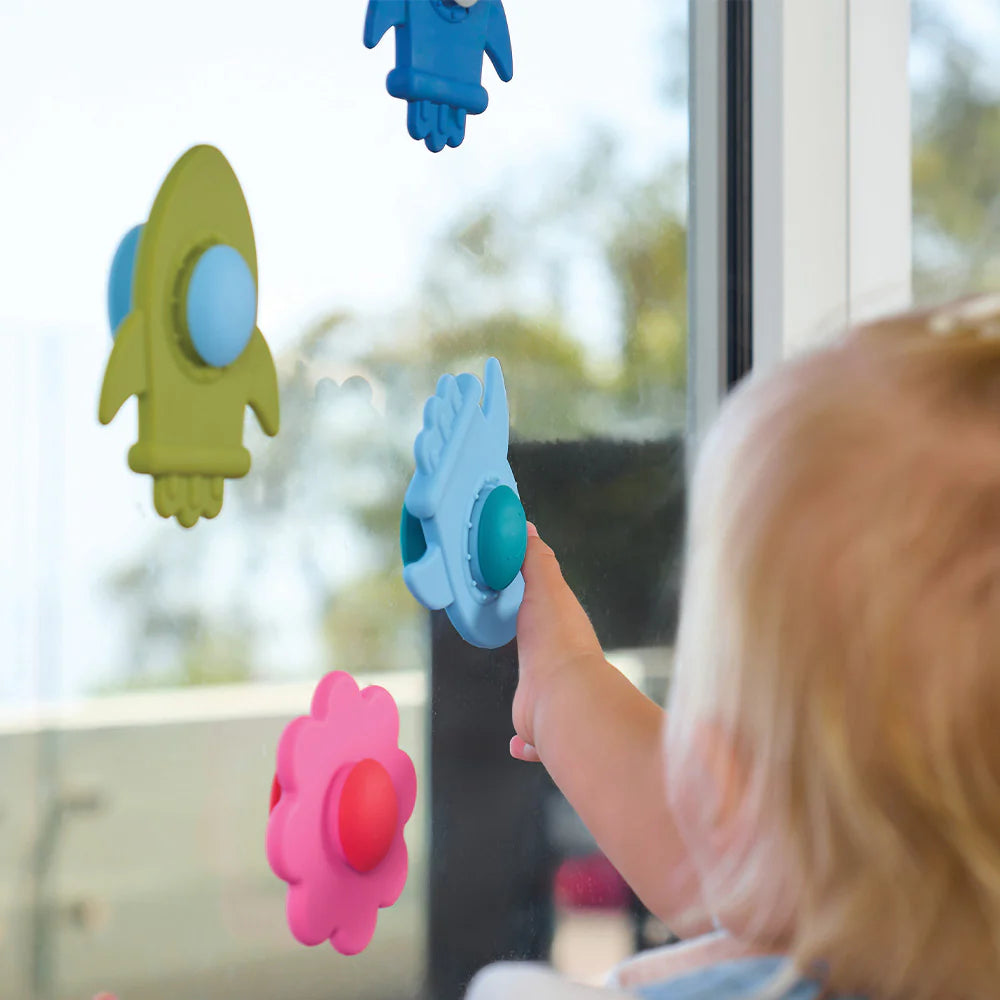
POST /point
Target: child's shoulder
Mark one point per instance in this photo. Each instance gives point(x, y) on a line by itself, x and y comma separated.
point(531, 981)
point(739, 979)
point(711, 967)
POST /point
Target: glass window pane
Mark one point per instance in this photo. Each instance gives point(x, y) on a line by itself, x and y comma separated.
point(153, 667)
point(956, 145)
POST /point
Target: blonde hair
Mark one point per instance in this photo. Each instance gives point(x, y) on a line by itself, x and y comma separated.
point(840, 628)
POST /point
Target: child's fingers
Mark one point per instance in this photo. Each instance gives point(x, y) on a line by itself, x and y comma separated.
point(543, 579)
point(549, 609)
point(520, 750)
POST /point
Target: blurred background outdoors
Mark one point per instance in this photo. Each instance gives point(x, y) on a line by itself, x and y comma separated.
point(149, 670)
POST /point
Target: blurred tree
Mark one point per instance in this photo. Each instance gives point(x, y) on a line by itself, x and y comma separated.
point(648, 259)
point(577, 282)
point(323, 501)
point(956, 148)
point(573, 274)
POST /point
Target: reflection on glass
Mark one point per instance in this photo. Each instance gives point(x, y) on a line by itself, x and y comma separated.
point(155, 668)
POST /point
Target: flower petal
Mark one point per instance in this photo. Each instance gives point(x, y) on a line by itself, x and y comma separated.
point(287, 747)
point(333, 688)
point(354, 935)
point(393, 881)
point(314, 909)
point(381, 714)
point(274, 841)
point(404, 780)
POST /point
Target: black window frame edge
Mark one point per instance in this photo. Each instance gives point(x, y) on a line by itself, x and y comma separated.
point(738, 69)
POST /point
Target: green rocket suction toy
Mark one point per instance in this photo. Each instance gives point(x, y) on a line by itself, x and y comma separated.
point(182, 303)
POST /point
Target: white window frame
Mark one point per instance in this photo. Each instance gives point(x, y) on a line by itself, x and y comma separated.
point(832, 209)
point(706, 259)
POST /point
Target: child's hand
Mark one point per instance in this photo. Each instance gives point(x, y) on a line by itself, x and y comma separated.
point(599, 737)
point(555, 642)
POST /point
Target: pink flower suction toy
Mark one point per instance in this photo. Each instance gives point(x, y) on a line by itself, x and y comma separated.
point(341, 797)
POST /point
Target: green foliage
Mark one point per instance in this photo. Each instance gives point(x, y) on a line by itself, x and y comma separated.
point(544, 367)
point(956, 149)
point(375, 624)
point(648, 259)
point(331, 485)
point(512, 275)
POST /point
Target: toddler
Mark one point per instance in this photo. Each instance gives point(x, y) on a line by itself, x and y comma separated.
point(821, 800)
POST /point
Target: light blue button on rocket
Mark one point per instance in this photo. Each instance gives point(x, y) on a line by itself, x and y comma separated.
point(221, 308)
point(463, 532)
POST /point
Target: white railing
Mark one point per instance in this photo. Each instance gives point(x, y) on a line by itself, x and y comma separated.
point(132, 858)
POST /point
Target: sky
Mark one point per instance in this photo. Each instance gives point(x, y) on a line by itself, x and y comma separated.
point(101, 99)
point(110, 93)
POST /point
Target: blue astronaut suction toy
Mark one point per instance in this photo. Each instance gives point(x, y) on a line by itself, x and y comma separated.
point(463, 532)
point(439, 60)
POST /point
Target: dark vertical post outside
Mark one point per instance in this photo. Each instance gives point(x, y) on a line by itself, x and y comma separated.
point(739, 189)
point(619, 541)
point(490, 864)
point(492, 854)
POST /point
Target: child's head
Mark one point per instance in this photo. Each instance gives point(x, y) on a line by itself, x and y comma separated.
point(834, 737)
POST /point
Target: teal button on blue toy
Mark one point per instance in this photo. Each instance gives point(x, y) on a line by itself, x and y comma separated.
point(463, 533)
point(500, 532)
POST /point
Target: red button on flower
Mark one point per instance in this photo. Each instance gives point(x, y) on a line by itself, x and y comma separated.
point(367, 814)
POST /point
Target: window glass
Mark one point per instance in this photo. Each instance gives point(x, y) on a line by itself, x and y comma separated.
point(151, 669)
point(956, 145)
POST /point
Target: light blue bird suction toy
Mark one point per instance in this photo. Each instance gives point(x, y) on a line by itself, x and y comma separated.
point(463, 532)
